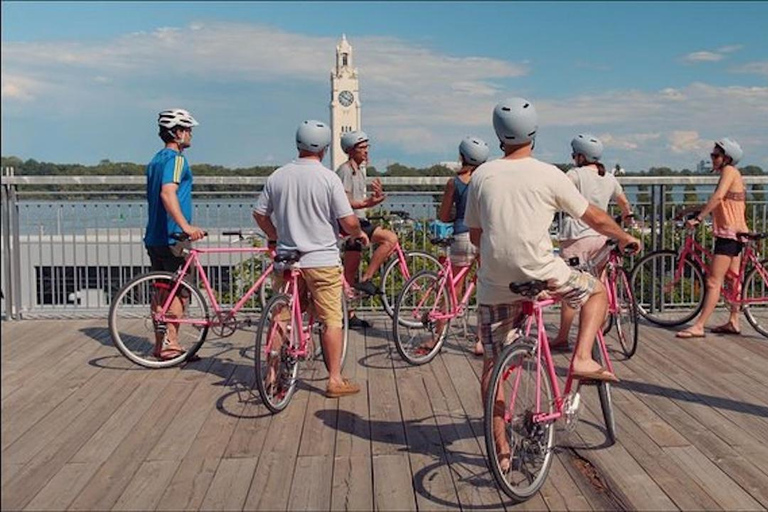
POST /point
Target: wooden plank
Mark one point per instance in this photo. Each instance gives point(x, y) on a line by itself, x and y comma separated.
point(353, 428)
point(392, 488)
point(114, 475)
point(572, 496)
point(312, 480)
point(147, 486)
point(230, 485)
point(352, 483)
point(59, 492)
point(717, 484)
point(387, 433)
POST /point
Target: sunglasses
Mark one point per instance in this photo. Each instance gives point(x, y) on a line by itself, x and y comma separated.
point(715, 155)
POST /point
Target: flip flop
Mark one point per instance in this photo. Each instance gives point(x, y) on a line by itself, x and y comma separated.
point(560, 347)
point(601, 374)
point(725, 329)
point(686, 335)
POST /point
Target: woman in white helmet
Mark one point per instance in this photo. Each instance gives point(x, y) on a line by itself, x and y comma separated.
point(577, 239)
point(472, 153)
point(728, 208)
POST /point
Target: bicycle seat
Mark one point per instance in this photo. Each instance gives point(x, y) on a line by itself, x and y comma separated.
point(441, 242)
point(288, 257)
point(528, 288)
point(752, 236)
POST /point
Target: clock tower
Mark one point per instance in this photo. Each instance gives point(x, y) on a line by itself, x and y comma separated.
point(345, 101)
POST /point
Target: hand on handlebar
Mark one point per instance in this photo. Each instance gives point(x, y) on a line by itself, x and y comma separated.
point(194, 233)
point(692, 223)
point(630, 245)
point(363, 238)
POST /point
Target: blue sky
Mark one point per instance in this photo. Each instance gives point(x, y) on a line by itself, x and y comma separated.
point(656, 81)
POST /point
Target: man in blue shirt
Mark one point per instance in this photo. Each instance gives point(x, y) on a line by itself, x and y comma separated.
point(169, 198)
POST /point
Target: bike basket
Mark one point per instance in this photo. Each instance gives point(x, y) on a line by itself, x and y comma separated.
point(440, 229)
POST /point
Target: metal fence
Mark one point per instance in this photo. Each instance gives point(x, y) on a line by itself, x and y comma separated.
point(65, 252)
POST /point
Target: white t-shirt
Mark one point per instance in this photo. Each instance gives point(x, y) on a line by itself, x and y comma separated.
point(305, 201)
point(599, 190)
point(354, 184)
point(514, 203)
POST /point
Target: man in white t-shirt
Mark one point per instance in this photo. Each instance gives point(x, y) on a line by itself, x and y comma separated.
point(511, 204)
point(308, 204)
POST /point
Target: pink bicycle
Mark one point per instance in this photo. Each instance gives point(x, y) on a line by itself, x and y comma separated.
point(426, 306)
point(669, 285)
point(527, 401)
point(142, 311)
point(288, 338)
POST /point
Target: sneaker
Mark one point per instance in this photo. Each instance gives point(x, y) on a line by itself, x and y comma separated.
point(346, 388)
point(355, 322)
point(367, 287)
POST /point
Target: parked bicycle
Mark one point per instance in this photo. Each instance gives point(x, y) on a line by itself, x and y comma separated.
point(524, 380)
point(141, 310)
point(288, 337)
point(427, 305)
point(669, 285)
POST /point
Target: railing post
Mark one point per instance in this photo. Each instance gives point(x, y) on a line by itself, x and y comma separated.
point(663, 216)
point(11, 269)
point(654, 221)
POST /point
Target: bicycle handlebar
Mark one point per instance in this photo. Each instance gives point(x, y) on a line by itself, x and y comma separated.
point(183, 237)
point(245, 234)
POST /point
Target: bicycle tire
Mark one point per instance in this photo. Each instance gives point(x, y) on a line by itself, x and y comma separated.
point(277, 396)
point(529, 435)
point(420, 295)
point(391, 277)
point(649, 291)
point(757, 315)
point(606, 401)
point(131, 326)
point(627, 327)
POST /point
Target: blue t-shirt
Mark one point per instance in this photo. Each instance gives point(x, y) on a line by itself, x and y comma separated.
point(168, 166)
point(460, 200)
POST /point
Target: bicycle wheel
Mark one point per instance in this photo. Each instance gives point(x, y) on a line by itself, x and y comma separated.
point(513, 385)
point(626, 317)
point(660, 297)
point(133, 330)
point(754, 293)
point(276, 368)
point(606, 402)
point(392, 278)
point(317, 333)
point(418, 338)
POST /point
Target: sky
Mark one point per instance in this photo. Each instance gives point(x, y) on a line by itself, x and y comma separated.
point(657, 82)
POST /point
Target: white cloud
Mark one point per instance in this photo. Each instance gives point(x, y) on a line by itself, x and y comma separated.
point(629, 141)
point(686, 142)
point(20, 88)
point(703, 57)
point(730, 48)
point(756, 68)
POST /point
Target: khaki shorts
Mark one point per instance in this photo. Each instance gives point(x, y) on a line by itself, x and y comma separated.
point(324, 285)
point(463, 252)
point(499, 324)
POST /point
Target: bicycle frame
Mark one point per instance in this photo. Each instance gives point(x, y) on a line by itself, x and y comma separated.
point(193, 260)
point(534, 311)
point(692, 250)
point(446, 274)
point(299, 337)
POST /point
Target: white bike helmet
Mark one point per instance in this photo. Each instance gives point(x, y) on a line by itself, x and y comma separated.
point(174, 117)
point(731, 148)
point(351, 139)
point(515, 121)
point(589, 146)
point(473, 151)
point(313, 136)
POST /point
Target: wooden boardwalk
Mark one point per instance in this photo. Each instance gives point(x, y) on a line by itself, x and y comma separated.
point(82, 429)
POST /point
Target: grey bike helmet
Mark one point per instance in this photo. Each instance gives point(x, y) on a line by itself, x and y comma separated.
point(589, 146)
point(731, 148)
point(351, 139)
point(313, 136)
point(515, 121)
point(174, 117)
point(474, 151)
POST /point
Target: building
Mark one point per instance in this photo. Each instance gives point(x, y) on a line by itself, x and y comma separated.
point(345, 100)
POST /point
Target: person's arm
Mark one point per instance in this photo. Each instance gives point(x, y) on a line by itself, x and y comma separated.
point(601, 222)
point(474, 236)
point(265, 224)
point(727, 178)
point(171, 204)
point(351, 225)
point(472, 213)
point(444, 214)
point(624, 205)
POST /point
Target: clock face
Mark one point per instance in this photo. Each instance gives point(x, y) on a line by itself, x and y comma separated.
point(346, 98)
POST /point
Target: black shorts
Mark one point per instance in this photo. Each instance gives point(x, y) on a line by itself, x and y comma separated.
point(368, 229)
point(728, 247)
point(164, 257)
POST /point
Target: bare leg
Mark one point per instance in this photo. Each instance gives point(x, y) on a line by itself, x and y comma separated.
point(567, 314)
point(386, 241)
point(332, 340)
point(499, 436)
point(715, 276)
point(590, 320)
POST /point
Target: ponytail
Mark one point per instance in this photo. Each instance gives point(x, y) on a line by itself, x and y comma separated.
point(600, 168)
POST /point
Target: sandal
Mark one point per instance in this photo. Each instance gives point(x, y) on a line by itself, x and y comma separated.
point(725, 329)
point(686, 334)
